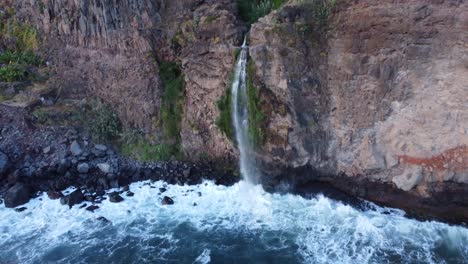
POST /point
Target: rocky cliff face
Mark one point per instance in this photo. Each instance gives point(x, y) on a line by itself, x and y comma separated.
point(109, 49)
point(372, 91)
point(381, 94)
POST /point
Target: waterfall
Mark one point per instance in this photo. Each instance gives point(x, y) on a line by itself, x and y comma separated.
point(240, 116)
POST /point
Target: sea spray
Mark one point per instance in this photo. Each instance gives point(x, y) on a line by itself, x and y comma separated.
point(224, 226)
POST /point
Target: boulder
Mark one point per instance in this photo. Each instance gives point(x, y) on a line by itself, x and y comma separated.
point(100, 147)
point(20, 209)
point(130, 194)
point(82, 168)
point(167, 201)
point(186, 173)
point(18, 194)
point(53, 195)
point(91, 208)
point(115, 197)
point(46, 150)
point(75, 148)
point(76, 197)
point(104, 167)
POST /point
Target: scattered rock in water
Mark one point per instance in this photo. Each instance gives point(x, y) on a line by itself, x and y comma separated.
point(115, 197)
point(20, 209)
point(89, 198)
point(75, 148)
point(103, 220)
point(4, 163)
point(83, 168)
point(53, 195)
point(83, 206)
point(126, 188)
point(18, 194)
point(1, 201)
point(162, 190)
point(167, 201)
point(199, 194)
point(76, 197)
point(195, 204)
point(104, 167)
point(92, 208)
point(130, 194)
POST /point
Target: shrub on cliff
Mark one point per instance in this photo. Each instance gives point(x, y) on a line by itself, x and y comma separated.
point(16, 35)
point(13, 73)
point(173, 99)
point(251, 10)
point(20, 40)
point(104, 124)
point(134, 144)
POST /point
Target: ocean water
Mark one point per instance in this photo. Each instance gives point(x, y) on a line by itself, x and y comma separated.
point(218, 224)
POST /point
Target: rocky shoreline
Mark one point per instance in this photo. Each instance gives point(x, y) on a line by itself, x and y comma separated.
point(52, 159)
point(445, 202)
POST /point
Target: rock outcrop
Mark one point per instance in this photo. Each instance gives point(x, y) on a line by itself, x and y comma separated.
point(111, 50)
point(380, 95)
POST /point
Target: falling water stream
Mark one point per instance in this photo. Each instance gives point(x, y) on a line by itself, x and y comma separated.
point(217, 224)
point(240, 115)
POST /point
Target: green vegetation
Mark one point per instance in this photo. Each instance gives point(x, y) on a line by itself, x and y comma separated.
point(16, 65)
point(173, 99)
point(18, 36)
point(20, 57)
point(13, 73)
point(224, 120)
point(251, 10)
point(210, 19)
point(133, 144)
point(20, 40)
point(256, 116)
point(104, 124)
point(318, 11)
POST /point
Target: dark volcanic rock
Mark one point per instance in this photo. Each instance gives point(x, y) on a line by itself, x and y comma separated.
point(20, 209)
point(115, 197)
point(103, 220)
point(73, 198)
point(167, 201)
point(75, 148)
point(82, 168)
point(91, 208)
point(162, 190)
point(53, 195)
point(17, 195)
point(4, 163)
point(130, 194)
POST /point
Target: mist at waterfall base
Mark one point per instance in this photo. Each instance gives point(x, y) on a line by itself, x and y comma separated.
point(218, 224)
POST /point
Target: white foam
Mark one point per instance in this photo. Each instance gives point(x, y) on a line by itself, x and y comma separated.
point(204, 257)
point(325, 231)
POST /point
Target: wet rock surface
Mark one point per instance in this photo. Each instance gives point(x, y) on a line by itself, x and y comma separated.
point(18, 194)
point(167, 200)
